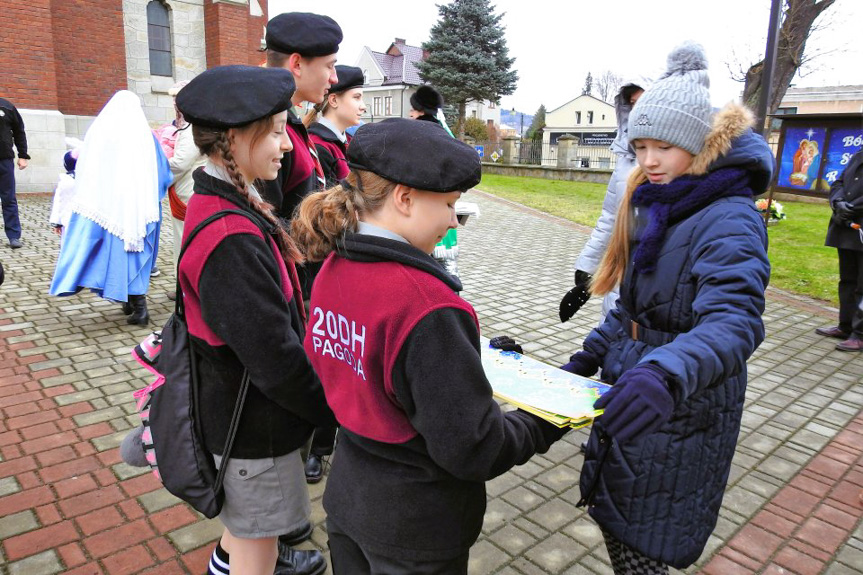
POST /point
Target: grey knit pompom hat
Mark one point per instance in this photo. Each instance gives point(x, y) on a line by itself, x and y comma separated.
point(676, 108)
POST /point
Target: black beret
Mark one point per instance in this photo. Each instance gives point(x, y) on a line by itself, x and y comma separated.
point(232, 96)
point(349, 77)
point(308, 34)
point(426, 99)
point(416, 154)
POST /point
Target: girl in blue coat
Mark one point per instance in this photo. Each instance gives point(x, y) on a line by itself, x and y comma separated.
point(689, 252)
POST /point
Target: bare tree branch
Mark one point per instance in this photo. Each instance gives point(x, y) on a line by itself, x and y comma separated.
point(798, 25)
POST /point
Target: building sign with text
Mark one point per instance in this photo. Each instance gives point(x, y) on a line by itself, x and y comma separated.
point(601, 139)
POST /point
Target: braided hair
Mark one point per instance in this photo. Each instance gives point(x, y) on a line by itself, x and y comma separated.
point(217, 143)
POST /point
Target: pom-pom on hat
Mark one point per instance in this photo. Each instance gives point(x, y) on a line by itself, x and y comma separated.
point(307, 34)
point(676, 108)
point(349, 77)
point(416, 154)
point(426, 99)
point(175, 89)
point(233, 96)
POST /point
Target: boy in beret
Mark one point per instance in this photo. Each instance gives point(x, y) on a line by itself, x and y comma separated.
point(306, 45)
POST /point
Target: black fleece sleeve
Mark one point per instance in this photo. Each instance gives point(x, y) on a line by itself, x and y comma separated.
point(837, 191)
point(439, 380)
point(243, 303)
point(19, 135)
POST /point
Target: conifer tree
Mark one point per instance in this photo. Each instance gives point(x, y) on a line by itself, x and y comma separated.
point(467, 56)
point(588, 84)
point(538, 124)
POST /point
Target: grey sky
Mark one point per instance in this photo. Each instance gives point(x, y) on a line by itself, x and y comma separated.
point(556, 43)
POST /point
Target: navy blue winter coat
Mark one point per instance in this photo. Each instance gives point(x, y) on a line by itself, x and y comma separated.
point(660, 495)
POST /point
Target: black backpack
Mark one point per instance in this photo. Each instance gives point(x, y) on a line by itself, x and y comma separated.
point(172, 439)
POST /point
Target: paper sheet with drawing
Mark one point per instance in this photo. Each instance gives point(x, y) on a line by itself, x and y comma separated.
point(558, 396)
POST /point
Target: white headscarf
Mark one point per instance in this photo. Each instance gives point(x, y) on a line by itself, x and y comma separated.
point(117, 176)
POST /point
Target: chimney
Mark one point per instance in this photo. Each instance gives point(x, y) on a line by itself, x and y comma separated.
point(400, 41)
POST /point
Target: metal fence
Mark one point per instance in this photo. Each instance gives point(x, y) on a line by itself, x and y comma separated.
point(532, 153)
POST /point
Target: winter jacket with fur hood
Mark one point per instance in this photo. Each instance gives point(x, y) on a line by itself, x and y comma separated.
point(661, 494)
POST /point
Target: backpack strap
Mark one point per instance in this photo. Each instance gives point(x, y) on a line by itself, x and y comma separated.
point(178, 302)
point(179, 309)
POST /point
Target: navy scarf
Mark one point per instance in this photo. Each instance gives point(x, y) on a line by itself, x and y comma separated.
point(677, 200)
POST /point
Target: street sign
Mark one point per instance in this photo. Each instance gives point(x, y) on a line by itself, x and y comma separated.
point(480, 150)
point(495, 156)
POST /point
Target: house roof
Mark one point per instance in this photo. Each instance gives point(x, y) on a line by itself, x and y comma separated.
point(399, 63)
point(578, 97)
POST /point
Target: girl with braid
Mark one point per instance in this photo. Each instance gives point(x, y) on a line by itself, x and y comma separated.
point(241, 296)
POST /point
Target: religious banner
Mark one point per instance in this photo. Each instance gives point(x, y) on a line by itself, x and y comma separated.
point(844, 143)
point(801, 157)
point(814, 150)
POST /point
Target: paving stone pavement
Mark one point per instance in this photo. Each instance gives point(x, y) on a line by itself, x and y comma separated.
point(69, 505)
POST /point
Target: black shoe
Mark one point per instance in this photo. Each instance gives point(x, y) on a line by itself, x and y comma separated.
point(127, 308)
point(314, 468)
point(850, 344)
point(583, 448)
point(15, 243)
point(296, 562)
point(140, 315)
point(832, 331)
point(297, 536)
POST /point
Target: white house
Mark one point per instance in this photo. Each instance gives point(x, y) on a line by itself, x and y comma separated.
point(391, 79)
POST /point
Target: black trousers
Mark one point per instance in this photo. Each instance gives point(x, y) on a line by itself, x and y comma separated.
point(323, 441)
point(8, 200)
point(348, 558)
point(851, 292)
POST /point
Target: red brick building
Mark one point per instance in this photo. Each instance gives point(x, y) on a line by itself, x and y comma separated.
point(61, 61)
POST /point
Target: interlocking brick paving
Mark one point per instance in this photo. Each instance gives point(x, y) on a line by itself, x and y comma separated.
point(68, 504)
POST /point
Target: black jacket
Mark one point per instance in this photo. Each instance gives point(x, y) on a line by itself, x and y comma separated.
point(284, 193)
point(331, 164)
point(241, 300)
point(848, 187)
point(11, 130)
point(287, 190)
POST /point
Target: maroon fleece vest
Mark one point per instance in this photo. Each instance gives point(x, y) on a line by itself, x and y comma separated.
point(335, 150)
point(360, 316)
point(304, 164)
point(200, 207)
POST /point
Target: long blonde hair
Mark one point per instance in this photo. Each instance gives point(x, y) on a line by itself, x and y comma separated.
point(613, 265)
point(217, 143)
point(323, 218)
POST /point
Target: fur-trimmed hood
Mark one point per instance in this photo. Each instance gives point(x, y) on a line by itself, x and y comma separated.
point(732, 143)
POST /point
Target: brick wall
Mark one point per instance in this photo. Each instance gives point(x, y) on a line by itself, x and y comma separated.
point(232, 35)
point(27, 55)
point(90, 53)
point(256, 27)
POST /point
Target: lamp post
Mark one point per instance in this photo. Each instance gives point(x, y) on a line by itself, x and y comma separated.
point(521, 126)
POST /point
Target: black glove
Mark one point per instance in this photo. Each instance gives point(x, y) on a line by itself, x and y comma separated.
point(576, 297)
point(637, 405)
point(505, 343)
point(582, 363)
point(844, 211)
